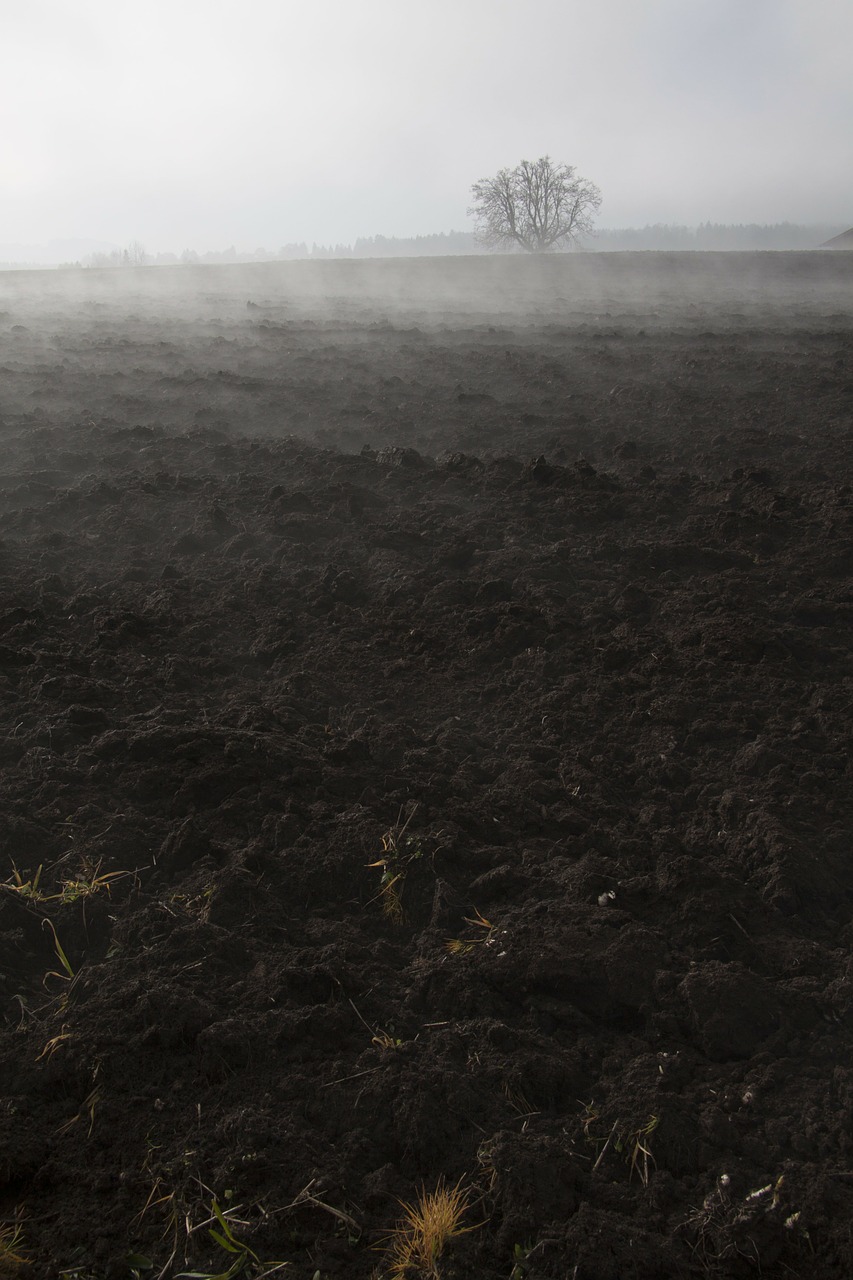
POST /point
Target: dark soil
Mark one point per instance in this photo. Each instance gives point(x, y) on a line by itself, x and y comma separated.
point(426, 703)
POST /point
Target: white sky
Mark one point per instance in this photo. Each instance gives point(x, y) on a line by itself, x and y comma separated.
point(206, 123)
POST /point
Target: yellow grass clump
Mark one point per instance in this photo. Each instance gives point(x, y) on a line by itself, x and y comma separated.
point(419, 1239)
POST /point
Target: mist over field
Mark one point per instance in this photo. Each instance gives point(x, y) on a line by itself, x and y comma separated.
point(124, 343)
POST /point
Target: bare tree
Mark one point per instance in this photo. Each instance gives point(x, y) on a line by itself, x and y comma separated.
point(538, 205)
point(136, 254)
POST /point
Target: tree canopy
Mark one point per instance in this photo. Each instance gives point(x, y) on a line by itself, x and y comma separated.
point(538, 205)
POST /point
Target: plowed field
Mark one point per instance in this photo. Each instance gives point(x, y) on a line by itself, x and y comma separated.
point(425, 712)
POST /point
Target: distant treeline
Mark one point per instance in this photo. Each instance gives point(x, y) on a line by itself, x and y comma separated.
point(440, 245)
point(715, 236)
point(444, 244)
point(707, 236)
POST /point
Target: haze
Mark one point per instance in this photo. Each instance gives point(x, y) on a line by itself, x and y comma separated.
point(263, 122)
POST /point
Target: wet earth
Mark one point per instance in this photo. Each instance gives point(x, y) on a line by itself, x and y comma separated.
point(425, 702)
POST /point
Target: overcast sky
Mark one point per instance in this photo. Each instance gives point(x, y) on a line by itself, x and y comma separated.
point(207, 123)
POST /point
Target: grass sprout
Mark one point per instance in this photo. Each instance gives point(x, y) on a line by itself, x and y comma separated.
point(383, 1040)
point(419, 1239)
point(12, 1255)
point(68, 973)
point(244, 1260)
point(25, 888)
point(167, 1202)
point(89, 881)
point(486, 1161)
point(521, 1253)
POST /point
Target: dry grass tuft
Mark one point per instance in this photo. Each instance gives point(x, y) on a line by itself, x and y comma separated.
point(420, 1237)
point(484, 931)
